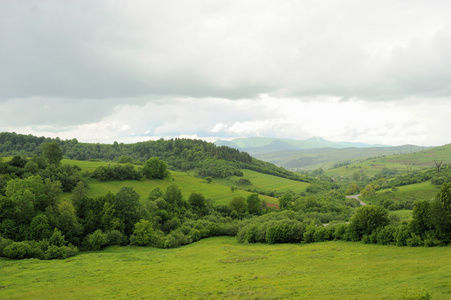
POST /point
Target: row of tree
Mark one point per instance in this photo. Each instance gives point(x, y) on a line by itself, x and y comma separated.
point(179, 154)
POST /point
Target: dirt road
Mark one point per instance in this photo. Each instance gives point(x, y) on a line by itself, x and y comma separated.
point(356, 197)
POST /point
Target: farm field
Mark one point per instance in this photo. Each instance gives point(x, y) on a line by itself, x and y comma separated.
point(217, 268)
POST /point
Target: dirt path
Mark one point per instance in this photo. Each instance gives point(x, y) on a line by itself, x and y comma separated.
point(356, 197)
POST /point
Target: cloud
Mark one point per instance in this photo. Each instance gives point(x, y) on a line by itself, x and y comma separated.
point(233, 50)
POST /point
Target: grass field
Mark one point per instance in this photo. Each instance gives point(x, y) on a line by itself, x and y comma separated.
point(216, 191)
point(267, 182)
point(400, 162)
point(219, 194)
point(414, 192)
point(219, 268)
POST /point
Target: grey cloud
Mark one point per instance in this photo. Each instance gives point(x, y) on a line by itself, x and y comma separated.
point(103, 49)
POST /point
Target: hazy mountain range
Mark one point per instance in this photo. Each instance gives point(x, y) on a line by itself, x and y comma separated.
point(312, 152)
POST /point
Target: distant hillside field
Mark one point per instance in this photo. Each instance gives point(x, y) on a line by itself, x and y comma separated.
point(219, 194)
point(218, 268)
point(400, 162)
point(311, 153)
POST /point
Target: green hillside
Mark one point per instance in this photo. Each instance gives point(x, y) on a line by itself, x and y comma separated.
point(219, 268)
point(260, 145)
point(328, 157)
point(401, 162)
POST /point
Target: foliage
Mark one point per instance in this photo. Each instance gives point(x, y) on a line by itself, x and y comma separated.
point(367, 219)
point(154, 168)
point(117, 172)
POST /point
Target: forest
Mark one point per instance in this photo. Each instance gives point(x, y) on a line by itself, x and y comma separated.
point(45, 212)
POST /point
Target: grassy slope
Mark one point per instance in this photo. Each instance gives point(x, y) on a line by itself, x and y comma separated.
point(418, 191)
point(267, 182)
point(217, 192)
point(400, 162)
point(222, 268)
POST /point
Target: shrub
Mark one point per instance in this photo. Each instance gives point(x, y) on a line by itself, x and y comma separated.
point(115, 237)
point(96, 240)
point(17, 250)
point(55, 252)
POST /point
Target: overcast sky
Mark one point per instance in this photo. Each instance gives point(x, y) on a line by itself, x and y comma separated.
point(377, 72)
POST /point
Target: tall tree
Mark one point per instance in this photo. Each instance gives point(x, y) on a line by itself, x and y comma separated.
point(52, 153)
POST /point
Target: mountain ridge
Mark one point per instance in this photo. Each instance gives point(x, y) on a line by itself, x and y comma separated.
point(261, 145)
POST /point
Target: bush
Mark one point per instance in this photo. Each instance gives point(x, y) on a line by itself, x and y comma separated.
point(55, 252)
point(17, 250)
point(414, 241)
point(96, 240)
point(115, 237)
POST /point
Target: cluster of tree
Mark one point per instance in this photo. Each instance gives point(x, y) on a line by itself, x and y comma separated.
point(46, 166)
point(179, 154)
point(325, 207)
point(117, 172)
point(430, 226)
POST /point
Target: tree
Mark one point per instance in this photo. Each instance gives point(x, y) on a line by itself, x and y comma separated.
point(367, 218)
point(154, 168)
point(126, 204)
point(52, 153)
point(143, 232)
point(441, 213)
point(285, 201)
point(40, 228)
point(97, 240)
point(238, 204)
point(254, 204)
point(438, 166)
point(174, 196)
point(368, 191)
point(197, 201)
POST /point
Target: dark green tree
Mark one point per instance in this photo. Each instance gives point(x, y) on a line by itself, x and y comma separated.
point(52, 152)
point(198, 203)
point(238, 204)
point(155, 168)
point(254, 204)
point(285, 201)
point(368, 218)
point(126, 205)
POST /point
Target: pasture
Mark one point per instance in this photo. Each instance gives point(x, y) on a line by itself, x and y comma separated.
point(220, 267)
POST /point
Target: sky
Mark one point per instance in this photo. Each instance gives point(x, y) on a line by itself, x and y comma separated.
point(376, 72)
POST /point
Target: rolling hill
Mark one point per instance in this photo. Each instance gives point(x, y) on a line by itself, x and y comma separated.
point(311, 153)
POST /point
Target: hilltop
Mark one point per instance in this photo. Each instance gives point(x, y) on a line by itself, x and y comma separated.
point(311, 153)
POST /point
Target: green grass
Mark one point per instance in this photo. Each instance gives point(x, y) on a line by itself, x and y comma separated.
point(266, 182)
point(216, 191)
point(219, 194)
point(400, 162)
point(86, 165)
point(414, 192)
point(218, 268)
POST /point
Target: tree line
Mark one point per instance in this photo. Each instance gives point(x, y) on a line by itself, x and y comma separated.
point(181, 154)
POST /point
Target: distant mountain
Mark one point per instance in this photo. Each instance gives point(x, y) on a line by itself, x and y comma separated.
point(260, 145)
point(311, 153)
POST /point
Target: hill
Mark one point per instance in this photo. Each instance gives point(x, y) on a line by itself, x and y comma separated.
point(311, 153)
point(403, 163)
point(201, 157)
point(259, 145)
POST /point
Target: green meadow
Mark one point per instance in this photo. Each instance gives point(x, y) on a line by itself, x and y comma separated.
point(217, 268)
point(413, 192)
point(266, 182)
point(400, 162)
point(216, 191)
